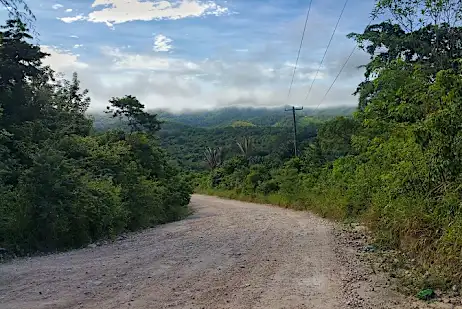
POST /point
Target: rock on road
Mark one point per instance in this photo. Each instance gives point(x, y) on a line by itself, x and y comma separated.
point(228, 254)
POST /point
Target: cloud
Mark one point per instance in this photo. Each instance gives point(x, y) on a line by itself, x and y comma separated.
point(61, 60)
point(139, 62)
point(163, 81)
point(56, 6)
point(78, 45)
point(162, 43)
point(243, 60)
point(121, 11)
point(72, 19)
point(74, 36)
point(68, 10)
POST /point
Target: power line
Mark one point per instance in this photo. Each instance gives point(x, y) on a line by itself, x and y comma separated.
point(341, 69)
point(327, 48)
point(336, 77)
point(300, 48)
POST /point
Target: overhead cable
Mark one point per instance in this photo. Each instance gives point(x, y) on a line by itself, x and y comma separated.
point(327, 48)
point(300, 48)
point(341, 70)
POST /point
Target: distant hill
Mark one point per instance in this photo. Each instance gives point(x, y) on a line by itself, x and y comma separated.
point(186, 135)
point(240, 123)
point(186, 144)
point(268, 117)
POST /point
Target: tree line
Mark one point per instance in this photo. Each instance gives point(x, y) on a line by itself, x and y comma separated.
point(62, 184)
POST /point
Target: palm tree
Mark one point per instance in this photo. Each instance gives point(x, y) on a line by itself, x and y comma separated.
point(213, 157)
point(245, 147)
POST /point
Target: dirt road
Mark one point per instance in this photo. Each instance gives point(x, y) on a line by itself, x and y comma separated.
point(229, 254)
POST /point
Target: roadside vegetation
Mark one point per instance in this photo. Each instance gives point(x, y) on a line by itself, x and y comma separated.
point(62, 185)
point(396, 164)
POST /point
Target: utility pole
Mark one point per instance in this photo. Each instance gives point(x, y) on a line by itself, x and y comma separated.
point(293, 109)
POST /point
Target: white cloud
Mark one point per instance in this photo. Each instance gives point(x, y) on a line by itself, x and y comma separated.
point(120, 11)
point(56, 6)
point(217, 82)
point(78, 45)
point(68, 10)
point(60, 60)
point(132, 61)
point(161, 80)
point(235, 74)
point(74, 36)
point(307, 71)
point(72, 19)
point(238, 71)
point(129, 61)
point(162, 43)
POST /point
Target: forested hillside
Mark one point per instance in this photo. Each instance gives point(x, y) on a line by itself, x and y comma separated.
point(396, 164)
point(186, 135)
point(61, 184)
point(257, 116)
point(187, 144)
point(234, 117)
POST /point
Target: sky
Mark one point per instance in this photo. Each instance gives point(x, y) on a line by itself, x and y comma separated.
point(195, 54)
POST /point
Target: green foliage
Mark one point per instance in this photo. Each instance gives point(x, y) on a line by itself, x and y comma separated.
point(240, 123)
point(131, 109)
point(186, 135)
point(213, 157)
point(245, 147)
point(425, 51)
point(187, 144)
point(262, 117)
point(426, 294)
point(415, 14)
point(397, 164)
point(61, 186)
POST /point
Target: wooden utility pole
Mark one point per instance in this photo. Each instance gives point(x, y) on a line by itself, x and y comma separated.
point(293, 109)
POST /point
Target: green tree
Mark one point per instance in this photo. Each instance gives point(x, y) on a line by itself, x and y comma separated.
point(434, 47)
point(397, 164)
point(213, 157)
point(130, 108)
point(334, 137)
point(416, 14)
point(21, 70)
point(61, 186)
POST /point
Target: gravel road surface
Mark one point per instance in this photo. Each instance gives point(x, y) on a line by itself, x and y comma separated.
point(228, 254)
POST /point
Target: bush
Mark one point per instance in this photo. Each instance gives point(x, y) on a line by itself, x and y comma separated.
point(61, 186)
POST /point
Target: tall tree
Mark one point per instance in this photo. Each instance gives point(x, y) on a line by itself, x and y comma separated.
point(21, 68)
point(72, 98)
point(433, 47)
point(130, 108)
point(60, 186)
point(415, 14)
